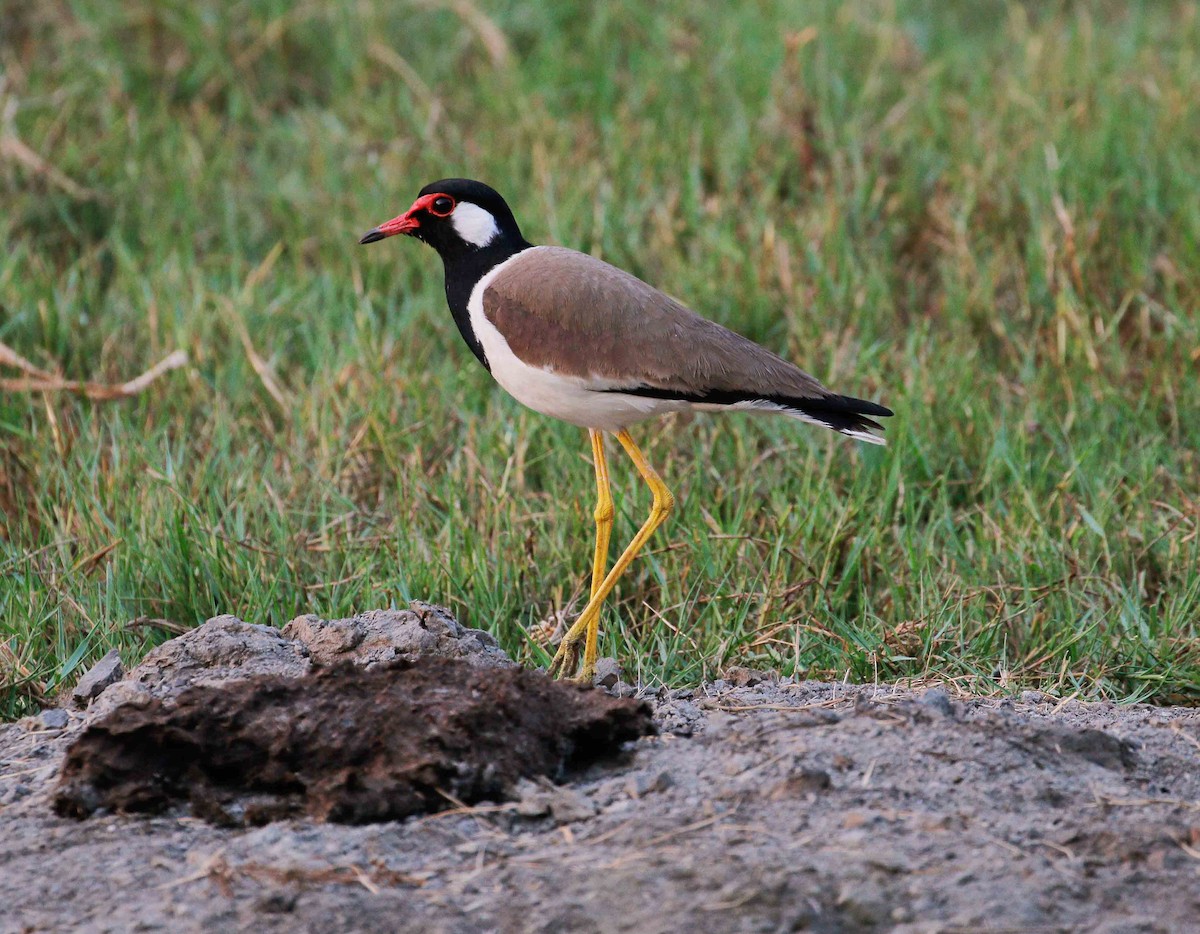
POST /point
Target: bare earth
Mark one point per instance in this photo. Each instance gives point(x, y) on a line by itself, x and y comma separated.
point(769, 806)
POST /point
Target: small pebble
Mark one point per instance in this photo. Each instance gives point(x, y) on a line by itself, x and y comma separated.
point(279, 902)
point(937, 701)
point(54, 719)
point(608, 673)
point(644, 783)
point(537, 798)
point(105, 672)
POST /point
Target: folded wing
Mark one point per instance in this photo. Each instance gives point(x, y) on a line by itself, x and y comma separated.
point(576, 315)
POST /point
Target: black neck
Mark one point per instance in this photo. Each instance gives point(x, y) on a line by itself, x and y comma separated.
point(464, 269)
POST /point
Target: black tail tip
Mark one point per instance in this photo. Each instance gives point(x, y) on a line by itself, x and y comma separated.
point(845, 414)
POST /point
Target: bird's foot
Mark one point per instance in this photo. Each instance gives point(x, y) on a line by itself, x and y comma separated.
point(566, 658)
point(568, 655)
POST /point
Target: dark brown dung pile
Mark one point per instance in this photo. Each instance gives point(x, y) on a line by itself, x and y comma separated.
point(345, 744)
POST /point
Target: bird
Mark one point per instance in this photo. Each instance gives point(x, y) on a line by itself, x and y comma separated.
point(575, 338)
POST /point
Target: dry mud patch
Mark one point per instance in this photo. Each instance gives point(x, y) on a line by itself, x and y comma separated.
point(768, 806)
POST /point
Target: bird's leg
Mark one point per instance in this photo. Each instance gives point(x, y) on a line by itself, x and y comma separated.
point(604, 524)
point(588, 624)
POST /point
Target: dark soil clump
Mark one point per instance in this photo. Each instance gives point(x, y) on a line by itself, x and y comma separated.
point(346, 744)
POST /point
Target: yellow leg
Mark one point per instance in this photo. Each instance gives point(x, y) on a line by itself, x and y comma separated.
point(604, 524)
point(588, 625)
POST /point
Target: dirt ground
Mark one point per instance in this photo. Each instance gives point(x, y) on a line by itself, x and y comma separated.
point(760, 806)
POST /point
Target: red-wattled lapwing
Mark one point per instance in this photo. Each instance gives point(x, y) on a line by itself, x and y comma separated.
point(575, 338)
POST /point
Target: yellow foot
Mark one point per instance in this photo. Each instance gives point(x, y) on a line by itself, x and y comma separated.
point(567, 657)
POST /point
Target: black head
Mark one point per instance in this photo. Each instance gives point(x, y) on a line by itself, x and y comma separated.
point(457, 217)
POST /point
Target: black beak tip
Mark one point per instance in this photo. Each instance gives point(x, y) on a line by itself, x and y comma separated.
point(372, 235)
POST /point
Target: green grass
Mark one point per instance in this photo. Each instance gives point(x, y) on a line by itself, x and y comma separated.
point(986, 215)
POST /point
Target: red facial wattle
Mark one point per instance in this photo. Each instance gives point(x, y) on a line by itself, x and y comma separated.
point(407, 222)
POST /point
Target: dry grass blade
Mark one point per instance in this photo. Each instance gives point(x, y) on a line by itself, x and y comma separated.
point(645, 851)
point(1063, 216)
point(12, 147)
point(390, 58)
point(263, 369)
point(9, 357)
point(378, 876)
point(42, 381)
point(136, 385)
point(89, 562)
point(1105, 800)
point(468, 810)
point(15, 676)
point(489, 34)
point(154, 622)
point(10, 662)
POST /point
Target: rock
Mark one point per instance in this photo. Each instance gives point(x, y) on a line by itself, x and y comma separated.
point(608, 673)
point(937, 702)
point(533, 799)
point(863, 903)
point(641, 784)
point(277, 902)
point(1033, 697)
point(381, 635)
point(223, 650)
point(801, 784)
point(108, 670)
point(539, 797)
point(569, 806)
point(53, 719)
point(15, 793)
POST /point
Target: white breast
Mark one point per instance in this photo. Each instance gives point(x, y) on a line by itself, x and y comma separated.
point(575, 398)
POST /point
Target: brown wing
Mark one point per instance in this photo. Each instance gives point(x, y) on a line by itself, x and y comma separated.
point(578, 315)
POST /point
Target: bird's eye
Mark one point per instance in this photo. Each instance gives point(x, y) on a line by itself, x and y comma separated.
point(442, 205)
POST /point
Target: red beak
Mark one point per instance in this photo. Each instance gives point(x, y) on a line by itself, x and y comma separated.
point(403, 224)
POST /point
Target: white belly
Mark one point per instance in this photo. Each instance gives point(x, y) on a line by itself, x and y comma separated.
point(579, 400)
point(567, 398)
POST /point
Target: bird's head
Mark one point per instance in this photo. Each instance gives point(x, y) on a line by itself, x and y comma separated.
point(454, 216)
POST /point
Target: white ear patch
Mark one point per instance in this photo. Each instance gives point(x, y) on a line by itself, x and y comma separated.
point(474, 224)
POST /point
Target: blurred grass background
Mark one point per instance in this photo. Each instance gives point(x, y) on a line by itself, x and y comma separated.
point(984, 214)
